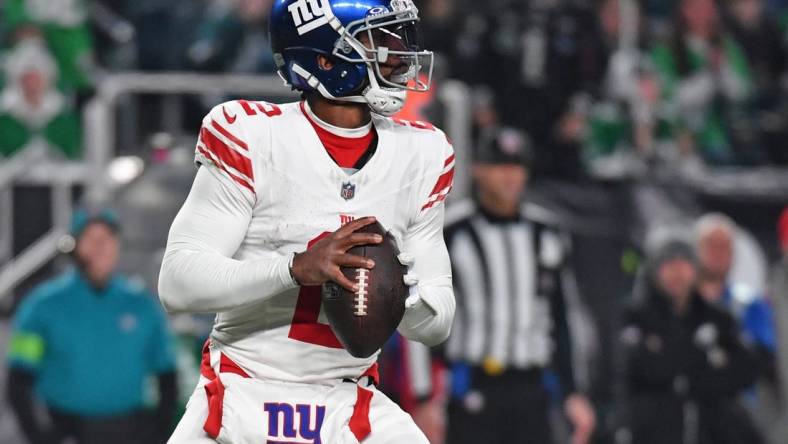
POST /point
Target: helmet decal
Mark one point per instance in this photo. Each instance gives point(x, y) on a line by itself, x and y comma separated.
point(373, 45)
point(309, 14)
point(378, 10)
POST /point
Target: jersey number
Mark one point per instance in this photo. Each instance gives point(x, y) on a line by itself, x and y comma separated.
point(414, 123)
point(305, 327)
point(252, 108)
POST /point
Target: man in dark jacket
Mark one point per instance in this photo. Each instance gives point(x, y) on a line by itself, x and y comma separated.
point(685, 364)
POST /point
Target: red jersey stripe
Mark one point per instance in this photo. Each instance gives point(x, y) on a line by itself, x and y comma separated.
point(437, 198)
point(449, 160)
point(373, 372)
point(241, 144)
point(227, 365)
point(444, 180)
point(359, 421)
point(441, 189)
point(221, 166)
point(214, 391)
point(229, 156)
point(205, 363)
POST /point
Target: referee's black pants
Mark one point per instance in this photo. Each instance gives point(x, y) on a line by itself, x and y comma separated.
point(505, 409)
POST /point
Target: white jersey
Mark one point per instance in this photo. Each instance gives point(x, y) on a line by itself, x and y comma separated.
point(268, 189)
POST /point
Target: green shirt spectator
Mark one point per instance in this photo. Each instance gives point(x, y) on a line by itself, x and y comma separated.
point(702, 73)
point(31, 108)
point(63, 24)
point(690, 93)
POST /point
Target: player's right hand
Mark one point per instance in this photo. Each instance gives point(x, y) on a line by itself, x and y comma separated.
point(320, 263)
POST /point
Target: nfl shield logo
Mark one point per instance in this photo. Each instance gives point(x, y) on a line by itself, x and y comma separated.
point(348, 191)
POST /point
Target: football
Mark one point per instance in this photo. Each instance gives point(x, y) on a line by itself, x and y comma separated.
point(365, 320)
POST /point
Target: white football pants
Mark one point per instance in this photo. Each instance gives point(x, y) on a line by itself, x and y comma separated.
point(273, 412)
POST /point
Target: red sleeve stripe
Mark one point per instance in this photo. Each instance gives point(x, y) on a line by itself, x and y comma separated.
point(448, 165)
point(236, 177)
point(434, 199)
point(229, 156)
point(441, 189)
point(240, 143)
point(444, 181)
point(213, 157)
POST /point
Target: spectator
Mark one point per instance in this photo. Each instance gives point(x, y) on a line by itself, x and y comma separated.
point(85, 343)
point(514, 295)
point(760, 37)
point(714, 236)
point(233, 38)
point(621, 123)
point(525, 51)
point(758, 32)
point(157, 21)
point(659, 13)
point(703, 75)
point(440, 26)
point(684, 363)
point(31, 108)
point(254, 54)
point(64, 27)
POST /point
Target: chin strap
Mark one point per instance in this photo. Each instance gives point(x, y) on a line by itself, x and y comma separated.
point(383, 101)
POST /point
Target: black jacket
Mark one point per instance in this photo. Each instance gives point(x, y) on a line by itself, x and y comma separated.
point(683, 374)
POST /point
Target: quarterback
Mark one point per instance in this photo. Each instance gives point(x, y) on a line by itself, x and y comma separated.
point(276, 204)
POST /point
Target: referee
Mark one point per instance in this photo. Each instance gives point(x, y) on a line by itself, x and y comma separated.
point(510, 273)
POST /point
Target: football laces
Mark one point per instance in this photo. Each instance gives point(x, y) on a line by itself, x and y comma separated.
point(360, 300)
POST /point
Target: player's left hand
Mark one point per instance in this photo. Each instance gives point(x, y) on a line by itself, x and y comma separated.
point(411, 279)
point(581, 414)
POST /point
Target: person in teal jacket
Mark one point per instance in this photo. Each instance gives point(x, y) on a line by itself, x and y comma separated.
point(86, 344)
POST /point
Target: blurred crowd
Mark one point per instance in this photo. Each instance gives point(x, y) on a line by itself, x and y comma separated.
point(54, 53)
point(610, 87)
point(698, 354)
point(699, 346)
point(601, 88)
point(615, 87)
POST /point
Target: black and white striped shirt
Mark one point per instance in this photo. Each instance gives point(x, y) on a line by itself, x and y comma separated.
point(510, 280)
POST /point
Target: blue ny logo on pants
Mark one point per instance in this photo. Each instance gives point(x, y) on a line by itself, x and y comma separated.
point(286, 412)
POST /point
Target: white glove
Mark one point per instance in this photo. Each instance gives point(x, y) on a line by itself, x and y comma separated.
point(411, 279)
point(429, 310)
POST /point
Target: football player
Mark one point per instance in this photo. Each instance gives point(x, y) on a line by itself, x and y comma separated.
point(277, 201)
